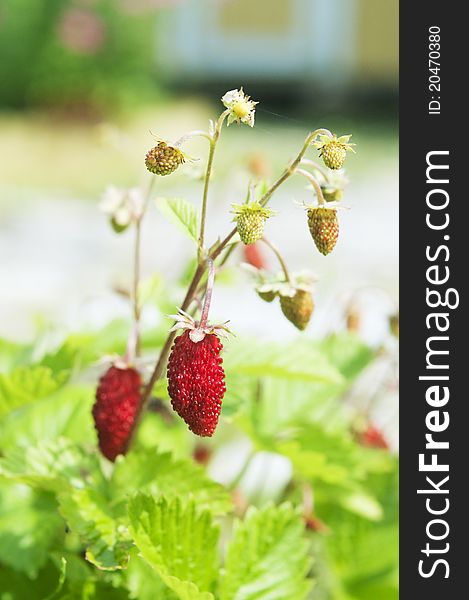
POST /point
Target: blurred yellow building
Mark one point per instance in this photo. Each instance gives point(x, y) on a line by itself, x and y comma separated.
point(343, 43)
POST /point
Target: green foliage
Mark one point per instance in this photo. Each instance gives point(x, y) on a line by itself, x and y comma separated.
point(182, 213)
point(256, 358)
point(29, 524)
point(25, 385)
point(154, 524)
point(73, 55)
point(178, 541)
point(160, 475)
point(267, 557)
point(99, 524)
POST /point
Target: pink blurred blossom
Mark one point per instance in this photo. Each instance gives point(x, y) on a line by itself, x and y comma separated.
point(81, 31)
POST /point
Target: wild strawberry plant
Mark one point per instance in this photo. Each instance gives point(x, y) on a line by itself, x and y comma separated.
point(110, 441)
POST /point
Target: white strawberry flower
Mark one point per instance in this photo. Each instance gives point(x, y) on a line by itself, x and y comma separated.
point(123, 206)
point(242, 108)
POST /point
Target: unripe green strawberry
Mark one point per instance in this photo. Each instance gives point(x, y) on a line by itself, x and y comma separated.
point(324, 227)
point(333, 150)
point(333, 154)
point(268, 296)
point(298, 308)
point(394, 325)
point(163, 159)
point(250, 220)
point(331, 194)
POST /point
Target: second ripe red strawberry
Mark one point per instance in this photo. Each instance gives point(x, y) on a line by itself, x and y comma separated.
point(196, 381)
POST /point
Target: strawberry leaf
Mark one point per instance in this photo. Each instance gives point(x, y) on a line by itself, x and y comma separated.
point(100, 524)
point(29, 525)
point(179, 542)
point(267, 557)
point(181, 213)
point(160, 475)
point(288, 361)
point(25, 385)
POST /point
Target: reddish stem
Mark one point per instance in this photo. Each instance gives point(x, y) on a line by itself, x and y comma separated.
point(208, 294)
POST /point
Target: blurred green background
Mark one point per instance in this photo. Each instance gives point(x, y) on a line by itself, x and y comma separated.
point(83, 82)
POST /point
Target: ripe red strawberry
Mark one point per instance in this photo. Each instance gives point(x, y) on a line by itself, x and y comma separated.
point(324, 228)
point(202, 454)
point(196, 381)
point(254, 256)
point(312, 523)
point(116, 409)
point(372, 437)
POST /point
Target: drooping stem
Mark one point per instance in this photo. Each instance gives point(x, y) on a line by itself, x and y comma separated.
point(316, 166)
point(208, 294)
point(194, 133)
point(279, 258)
point(313, 181)
point(294, 164)
point(289, 171)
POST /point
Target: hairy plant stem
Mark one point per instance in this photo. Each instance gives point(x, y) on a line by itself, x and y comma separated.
point(214, 253)
point(133, 344)
point(289, 171)
point(208, 294)
point(135, 284)
point(294, 164)
point(279, 258)
point(213, 139)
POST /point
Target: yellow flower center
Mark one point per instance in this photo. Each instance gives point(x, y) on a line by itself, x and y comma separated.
point(241, 109)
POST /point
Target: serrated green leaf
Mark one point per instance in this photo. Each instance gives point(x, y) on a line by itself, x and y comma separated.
point(348, 353)
point(159, 474)
point(365, 552)
point(337, 468)
point(100, 524)
point(15, 585)
point(267, 557)
point(64, 359)
point(25, 385)
point(240, 389)
point(13, 355)
point(29, 525)
point(182, 213)
point(53, 465)
point(62, 574)
point(143, 582)
point(65, 413)
point(321, 455)
point(179, 542)
point(308, 402)
point(149, 290)
point(289, 361)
